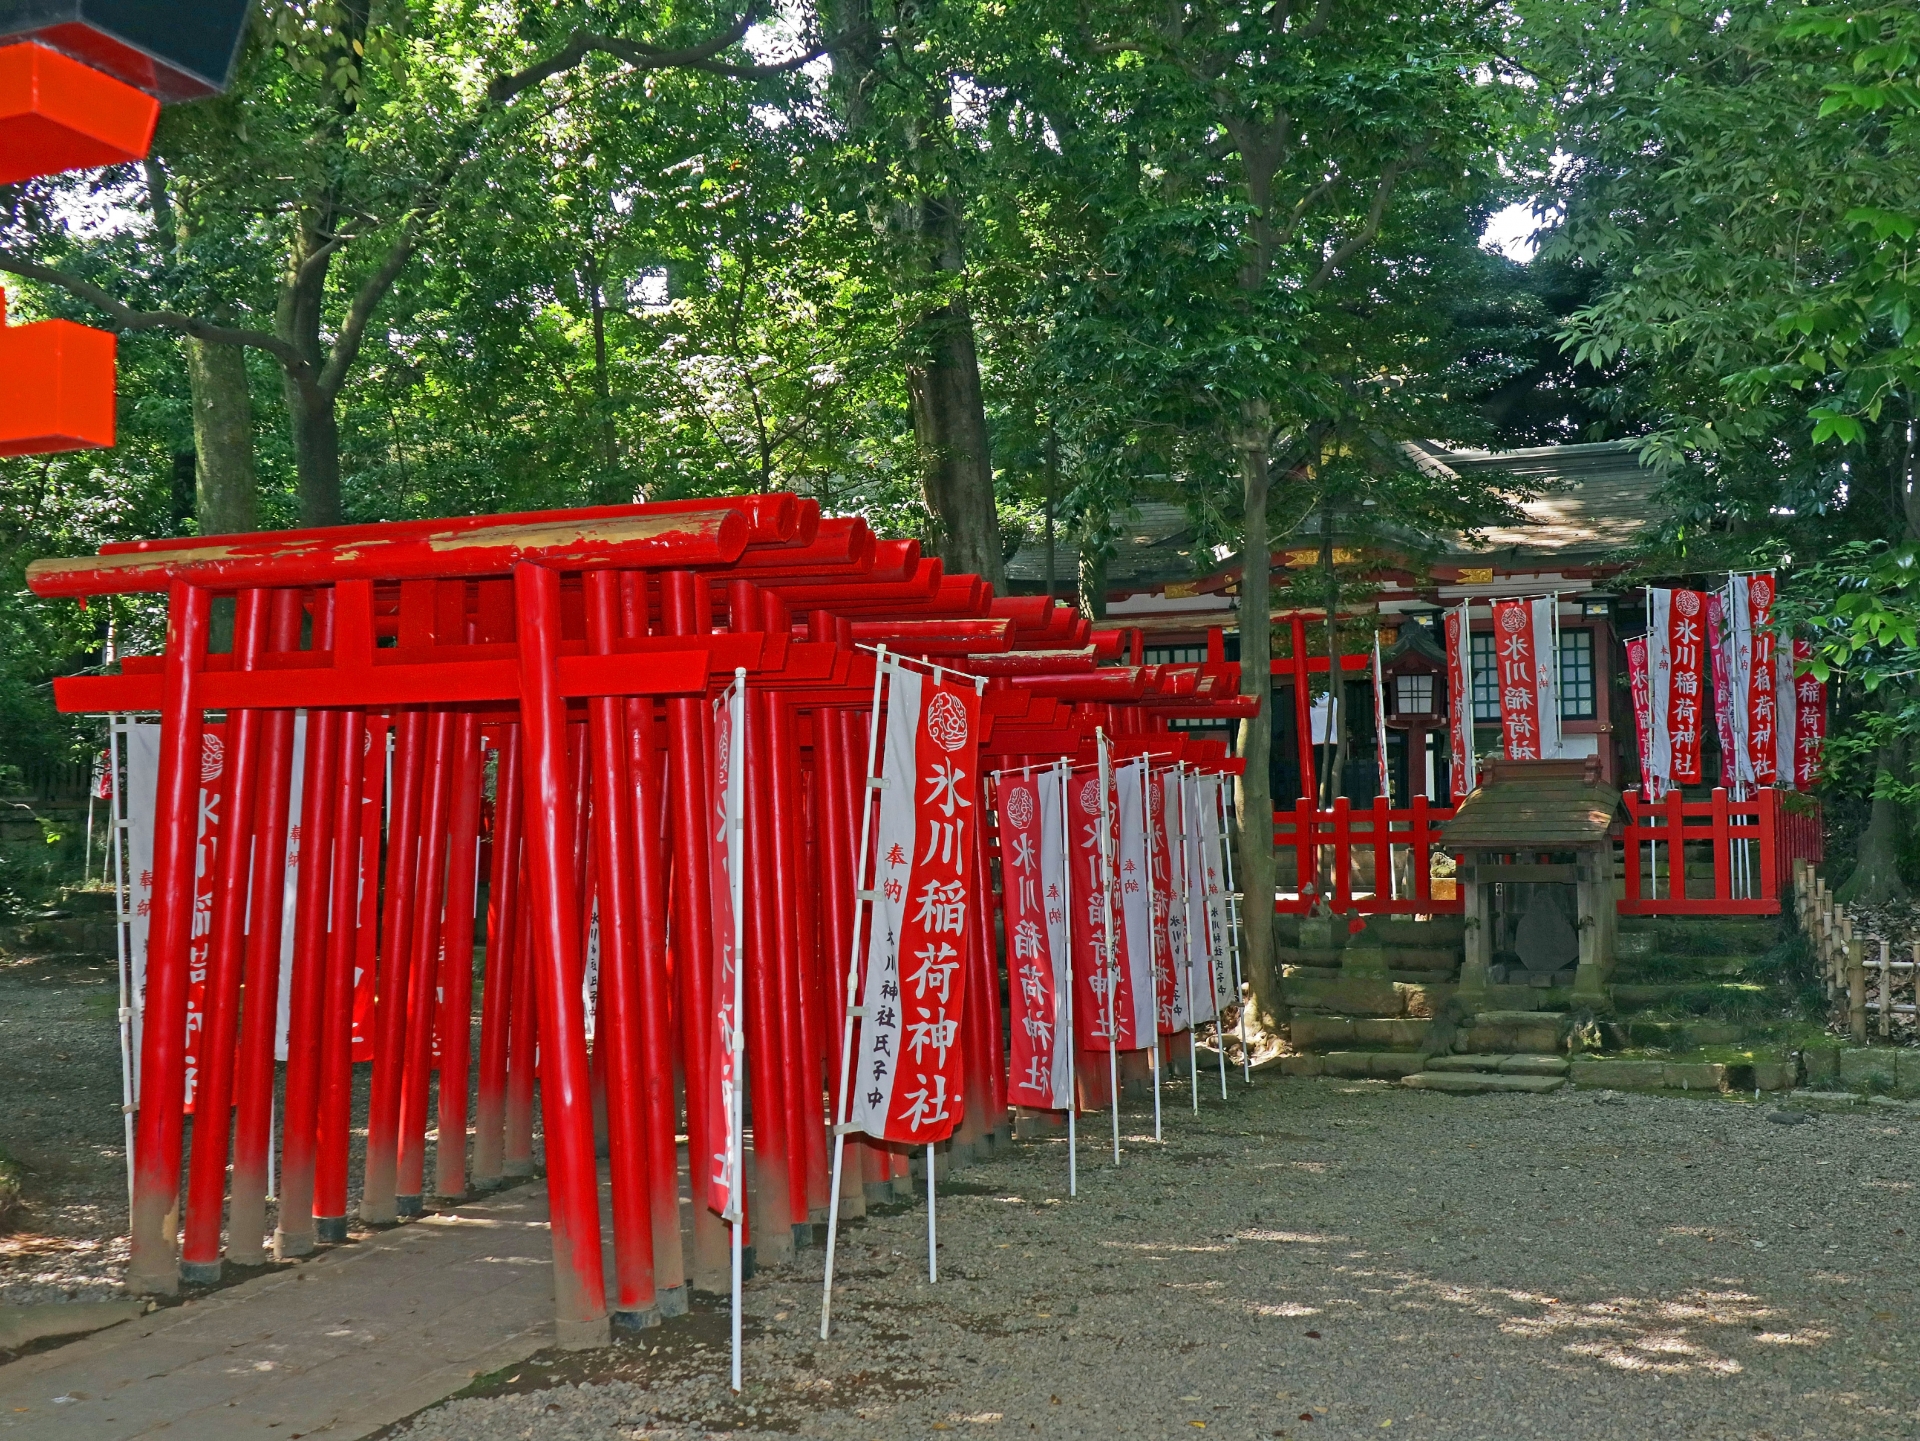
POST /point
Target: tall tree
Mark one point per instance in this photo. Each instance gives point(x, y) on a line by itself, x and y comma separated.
point(1250, 159)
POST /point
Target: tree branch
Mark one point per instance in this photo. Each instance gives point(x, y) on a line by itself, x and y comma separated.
point(642, 56)
point(1376, 212)
point(126, 318)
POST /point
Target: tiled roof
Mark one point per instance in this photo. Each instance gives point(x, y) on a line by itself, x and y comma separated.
point(1598, 497)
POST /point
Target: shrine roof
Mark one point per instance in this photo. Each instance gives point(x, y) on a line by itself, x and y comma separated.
point(1544, 805)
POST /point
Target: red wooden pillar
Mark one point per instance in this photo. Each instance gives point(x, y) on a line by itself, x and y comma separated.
point(685, 610)
point(503, 929)
point(356, 864)
point(766, 999)
point(523, 1029)
point(423, 967)
point(156, 1180)
point(646, 784)
point(294, 1236)
point(566, 1103)
point(1303, 711)
point(620, 1046)
point(226, 944)
point(378, 1187)
point(837, 882)
point(456, 973)
point(799, 1019)
point(260, 1006)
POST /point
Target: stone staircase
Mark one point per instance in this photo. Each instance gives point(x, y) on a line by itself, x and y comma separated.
point(1383, 1003)
point(80, 924)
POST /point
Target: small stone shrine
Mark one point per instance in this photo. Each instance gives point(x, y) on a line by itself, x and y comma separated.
point(1534, 846)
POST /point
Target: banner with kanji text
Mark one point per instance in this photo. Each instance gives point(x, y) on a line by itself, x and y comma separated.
point(907, 1080)
point(727, 864)
point(1031, 860)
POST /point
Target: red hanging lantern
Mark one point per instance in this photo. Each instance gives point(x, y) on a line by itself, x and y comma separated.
point(57, 378)
point(57, 114)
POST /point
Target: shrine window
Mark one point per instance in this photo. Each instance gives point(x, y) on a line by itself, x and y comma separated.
point(1486, 694)
point(1576, 675)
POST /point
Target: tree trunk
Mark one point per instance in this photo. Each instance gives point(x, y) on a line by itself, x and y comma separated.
point(949, 415)
point(1251, 439)
point(1093, 582)
point(1875, 880)
point(226, 490)
point(316, 453)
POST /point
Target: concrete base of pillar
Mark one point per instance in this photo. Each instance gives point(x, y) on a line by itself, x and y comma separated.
point(672, 1301)
point(581, 1335)
point(200, 1273)
point(331, 1229)
point(288, 1244)
point(409, 1206)
point(635, 1320)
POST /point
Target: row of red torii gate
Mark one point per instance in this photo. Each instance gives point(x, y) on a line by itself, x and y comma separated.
point(704, 732)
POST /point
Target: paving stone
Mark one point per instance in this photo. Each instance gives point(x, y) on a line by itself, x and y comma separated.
point(340, 1345)
point(1350, 995)
point(1322, 1033)
point(1694, 1075)
point(1348, 1063)
point(1392, 1065)
point(1822, 1063)
point(1907, 1072)
point(1465, 1062)
point(1466, 1083)
point(1378, 1032)
point(1618, 1075)
point(1533, 1065)
point(1773, 1075)
point(1871, 1067)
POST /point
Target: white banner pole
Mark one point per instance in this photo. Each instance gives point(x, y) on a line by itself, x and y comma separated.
point(1193, 1026)
point(1062, 778)
point(1233, 927)
point(123, 944)
point(1107, 957)
point(841, 1120)
point(1153, 941)
point(736, 868)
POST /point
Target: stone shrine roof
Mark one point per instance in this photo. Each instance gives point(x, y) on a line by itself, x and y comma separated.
point(1535, 805)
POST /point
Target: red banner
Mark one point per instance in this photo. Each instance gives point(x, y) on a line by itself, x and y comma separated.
point(907, 1083)
point(1515, 656)
point(1460, 702)
point(1166, 926)
point(1102, 999)
point(373, 798)
point(1720, 653)
point(1025, 884)
point(1641, 688)
point(726, 866)
point(1762, 715)
point(213, 788)
point(1809, 720)
point(1686, 690)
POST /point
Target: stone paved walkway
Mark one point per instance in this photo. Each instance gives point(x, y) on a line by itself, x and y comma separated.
point(337, 1347)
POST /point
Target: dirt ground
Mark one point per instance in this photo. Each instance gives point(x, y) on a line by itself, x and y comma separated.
point(1327, 1259)
point(1312, 1258)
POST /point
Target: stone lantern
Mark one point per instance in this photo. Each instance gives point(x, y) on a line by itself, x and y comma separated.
point(1535, 850)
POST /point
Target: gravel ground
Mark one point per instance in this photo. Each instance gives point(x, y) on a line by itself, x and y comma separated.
point(1326, 1259)
point(60, 1075)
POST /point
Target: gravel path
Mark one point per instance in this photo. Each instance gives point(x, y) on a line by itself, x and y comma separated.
point(1326, 1259)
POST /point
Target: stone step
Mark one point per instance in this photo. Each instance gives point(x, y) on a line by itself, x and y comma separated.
point(1637, 996)
point(1629, 1074)
point(1365, 996)
point(1405, 931)
point(1311, 1032)
point(1510, 1065)
point(1666, 967)
point(1665, 1033)
point(1511, 1032)
point(1353, 1065)
point(1473, 1083)
point(1695, 935)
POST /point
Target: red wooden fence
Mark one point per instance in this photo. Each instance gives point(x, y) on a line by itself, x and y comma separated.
point(1752, 844)
point(1354, 841)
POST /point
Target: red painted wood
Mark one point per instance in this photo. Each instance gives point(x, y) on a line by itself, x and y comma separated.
point(57, 114)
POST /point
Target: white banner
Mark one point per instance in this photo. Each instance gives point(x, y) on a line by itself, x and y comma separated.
point(1201, 1005)
point(1213, 842)
point(1136, 900)
point(1172, 788)
point(727, 860)
point(1057, 898)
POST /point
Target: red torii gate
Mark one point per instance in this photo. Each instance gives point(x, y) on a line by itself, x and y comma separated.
point(515, 633)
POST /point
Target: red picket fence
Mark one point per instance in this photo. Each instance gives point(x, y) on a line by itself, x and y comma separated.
point(1352, 842)
point(1752, 845)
